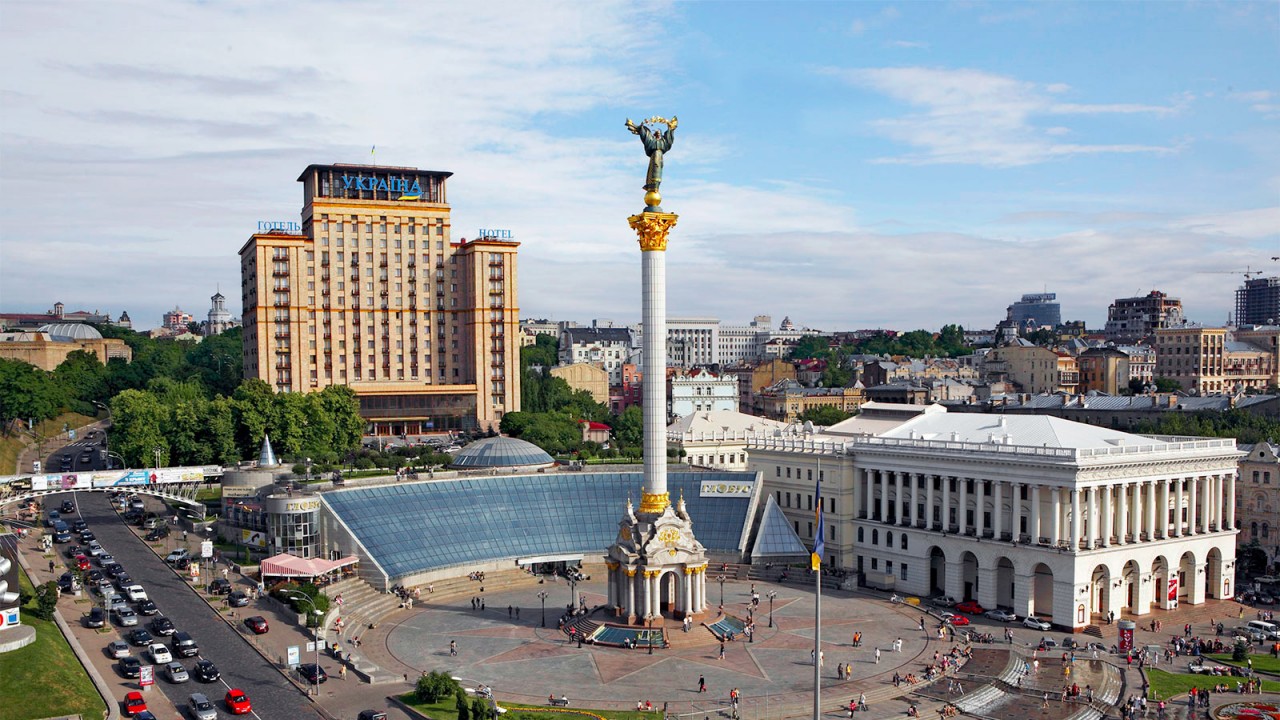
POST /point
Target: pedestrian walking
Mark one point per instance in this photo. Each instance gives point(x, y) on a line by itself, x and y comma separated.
point(517, 612)
point(721, 652)
point(453, 648)
point(510, 611)
point(702, 683)
point(342, 672)
point(877, 656)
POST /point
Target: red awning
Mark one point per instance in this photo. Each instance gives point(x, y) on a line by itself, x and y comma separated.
point(286, 565)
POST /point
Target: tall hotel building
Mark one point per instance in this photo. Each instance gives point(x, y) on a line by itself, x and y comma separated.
point(372, 292)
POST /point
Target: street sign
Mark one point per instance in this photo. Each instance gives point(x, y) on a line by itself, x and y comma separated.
point(311, 646)
point(206, 549)
point(293, 658)
point(146, 675)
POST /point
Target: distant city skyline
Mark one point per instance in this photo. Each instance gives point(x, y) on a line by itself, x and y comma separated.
point(850, 165)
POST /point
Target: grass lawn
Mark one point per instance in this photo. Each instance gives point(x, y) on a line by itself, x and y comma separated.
point(1261, 661)
point(446, 710)
point(11, 446)
point(1165, 685)
point(212, 492)
point(46, 675)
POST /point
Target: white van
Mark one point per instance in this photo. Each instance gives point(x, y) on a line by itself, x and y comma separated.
point(1270, 631)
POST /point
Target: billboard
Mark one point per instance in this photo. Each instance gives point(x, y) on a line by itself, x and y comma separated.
point(1173, 589)
point(253, 538)
point(66, 481)
point(726, 490)
point(161, 476)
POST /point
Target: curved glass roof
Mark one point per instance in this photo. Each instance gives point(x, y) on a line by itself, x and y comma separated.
point(501, 451)
point(414, 527)
point(64, 332)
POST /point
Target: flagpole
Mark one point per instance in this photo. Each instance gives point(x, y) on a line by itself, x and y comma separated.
point(818, 546)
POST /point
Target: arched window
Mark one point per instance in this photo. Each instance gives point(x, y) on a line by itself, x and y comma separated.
point(1253, 530)
point(904, 541)
point(859, 534)
point(888, 539)
point(875, 537)
point(1266, 529)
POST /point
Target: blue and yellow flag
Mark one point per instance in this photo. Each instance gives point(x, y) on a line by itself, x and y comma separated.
point(815, 561)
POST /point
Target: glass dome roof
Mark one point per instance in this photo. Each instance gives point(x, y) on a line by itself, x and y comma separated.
point(64, 332)
point(501, 452)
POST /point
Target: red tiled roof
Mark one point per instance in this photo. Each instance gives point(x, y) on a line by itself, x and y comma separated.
point(592, 425)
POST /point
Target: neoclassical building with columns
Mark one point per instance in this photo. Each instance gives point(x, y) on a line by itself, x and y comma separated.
point(1049, 517)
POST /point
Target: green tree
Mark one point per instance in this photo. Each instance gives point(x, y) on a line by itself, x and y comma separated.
point(289, 424)
point(219, 432)
point(254, 403)
point(811, 346)
point(83, 376)
point(344, 421)
point(46, 600)
point(460, 702)
point(479, 710)
point(1167, 385)
point(138, 427)
point(28, 393)
point(628, 427)
point(544, 352)
point(435, 686)
point(825, 415)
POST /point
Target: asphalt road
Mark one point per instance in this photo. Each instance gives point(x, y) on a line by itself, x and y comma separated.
point(241, 666)
point(89, 447)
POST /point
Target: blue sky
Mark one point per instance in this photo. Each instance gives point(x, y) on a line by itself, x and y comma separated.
point(848, 165)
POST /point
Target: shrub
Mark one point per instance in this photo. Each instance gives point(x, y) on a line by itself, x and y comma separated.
point(1240, 652)
point(435, 687)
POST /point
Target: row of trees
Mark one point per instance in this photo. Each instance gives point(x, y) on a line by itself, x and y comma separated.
point(948, 342)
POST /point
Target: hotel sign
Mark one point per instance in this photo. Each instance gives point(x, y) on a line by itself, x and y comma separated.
point(726, 490)
point(265, 226)
point(494, 234)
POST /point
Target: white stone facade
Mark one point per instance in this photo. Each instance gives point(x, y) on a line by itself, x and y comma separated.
point(702, 391)
point(1046, 516)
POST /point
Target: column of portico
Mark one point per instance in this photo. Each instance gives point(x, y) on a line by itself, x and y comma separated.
point(1230, 501)
point(1075, 518)
point(867, 498)
point(1090, 519)
point(979, 500)
point(997, 517)
point(1178, 506)
point(961, 520)
point(1035, 513)
point(946, 503)
point(686, 592)
point(899, 517)
point(1015, 520)
point(987, 580)
point(1164, 508)
point(1122, 512)
point(911, 501)
point(929, 498)
point(1215, 497)
point(1055, 518)
point(884, 496)
point(631, 593)
point(1151, 510)
point(1193, 516)
point(1105, 517)
point(1219, 509)
point(1023, 586)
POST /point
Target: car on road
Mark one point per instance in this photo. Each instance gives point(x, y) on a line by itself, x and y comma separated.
point(257, 624)
point(126, 617)
point(112, 570)
point(95, 618)
point(68, 507)
point(238, 599)
point(140, 637)
point(114, 602)
point(943, 601)
point(312, 673)
point(105, 559)
point(133, 704)
point(971, 607)
point(162, 626)
point(130, 667)
point(184, 645)
point(201, 708)
point(160, 654)
point(176, 555)
point(159, 533)
point(176, 672)
point(147, 607)
point(1001, 615)
point(52, 518)
point(153, 522)
point(205, 671)
point(62, 536)
point(1036, 623)
point(87, 536)
point(371, 715)
point(1047, 643)
point(237, 702)
point(74, 550)
point(220, 586)
point(67, 582)
point(135, 593)
point(79, 525)
point(118, 649)
point(82, 562)
point(956, 620)
point(1265, 599)
point(123, 580)
point(95, 548)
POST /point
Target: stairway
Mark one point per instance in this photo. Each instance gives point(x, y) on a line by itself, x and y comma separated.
point(1093, 630)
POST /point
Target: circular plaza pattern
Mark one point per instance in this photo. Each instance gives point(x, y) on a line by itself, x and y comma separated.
point(525, 662)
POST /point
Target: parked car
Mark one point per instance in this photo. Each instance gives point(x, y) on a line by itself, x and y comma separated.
point(160, 654)
point(74, 550)
point(115, 602)
point(147, 607)
point(257, 624)
point(371, 715)
point(205, 671)
point(126, 617)
point(238, 599)
point(971, 607)
point(1036, 623)
point(105, 559)
point(220, 586)
point(237, 702)
point(313, 673)
point(81, 562)
point(184, 645)
point(118, 649)
point(87, 536)
point(956, 620)
point(943, 601)
point(176, 555)
point(67, 582)
point(1048, 643)
point(201, 708)
point(1001, 615)
point(176, 672)
point(140, 637)
point(130, 667)
point(79, 525)
point(162, 626)
point(133, 704)
point(95, 618)
point(135, 593)
point(159, 533)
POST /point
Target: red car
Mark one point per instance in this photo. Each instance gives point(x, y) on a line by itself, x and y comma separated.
point(82, 562)
point(133, 704)
point(257, 624)
point(971, 607)
point(956, 620)
point(237, 702)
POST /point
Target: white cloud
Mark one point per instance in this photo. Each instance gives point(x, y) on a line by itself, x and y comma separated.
point(975, 117)
point(908, 44)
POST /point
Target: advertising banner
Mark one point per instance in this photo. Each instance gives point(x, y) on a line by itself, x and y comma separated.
point(1173, 588)
point(253, 538)
point(146, 675)
point(39, 482)
point(293, 656)
point(726, 490)
point(1126, 635)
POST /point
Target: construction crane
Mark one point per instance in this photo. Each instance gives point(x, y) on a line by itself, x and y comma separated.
point(1249, 273)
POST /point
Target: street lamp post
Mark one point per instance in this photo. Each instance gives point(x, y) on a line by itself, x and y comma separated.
point(650, 636)
point(314, 609)
point(542, 595)
point(106, 436)
point(720, 579)
point(771, 595)
point(157, 452)
point(573, 593)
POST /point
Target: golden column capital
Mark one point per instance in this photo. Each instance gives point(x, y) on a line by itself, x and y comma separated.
point(652, 229)
point(654, 502)
point(631, 572)
point(612, 565)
